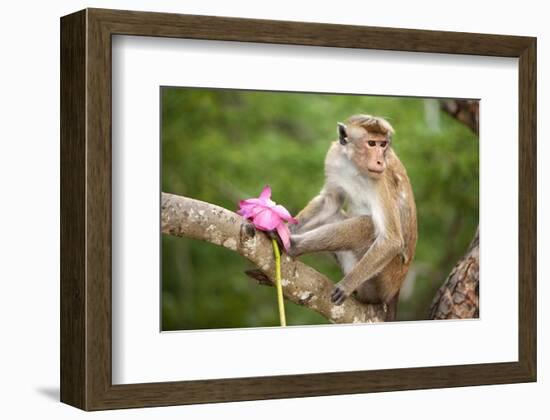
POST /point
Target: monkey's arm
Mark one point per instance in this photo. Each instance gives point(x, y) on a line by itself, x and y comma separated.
point(336, 236)
point(383, 250)
point(319, 210)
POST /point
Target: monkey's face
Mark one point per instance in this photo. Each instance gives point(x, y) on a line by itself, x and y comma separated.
point(369, 151)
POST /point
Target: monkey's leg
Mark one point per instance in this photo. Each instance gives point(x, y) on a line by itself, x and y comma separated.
point(352, 233)
point(392, 308)
point(372, 263)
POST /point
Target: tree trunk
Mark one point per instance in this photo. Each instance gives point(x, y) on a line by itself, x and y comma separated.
point(458, 297)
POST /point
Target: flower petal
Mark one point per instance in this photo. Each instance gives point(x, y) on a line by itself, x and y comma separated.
point(266, 193)
point(249, 208)
point(284, 234)
point(284, 214)
point(246, 214)
point(256, 210)
point(266, 220)
point(251, 201)
point(245, 210)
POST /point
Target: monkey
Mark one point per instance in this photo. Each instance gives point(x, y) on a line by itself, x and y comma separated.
point(365, 214)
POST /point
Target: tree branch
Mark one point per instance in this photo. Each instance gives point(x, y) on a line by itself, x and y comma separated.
point(182, 216)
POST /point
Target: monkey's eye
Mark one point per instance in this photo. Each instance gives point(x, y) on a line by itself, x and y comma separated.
point(383, 144)
point(371, 143)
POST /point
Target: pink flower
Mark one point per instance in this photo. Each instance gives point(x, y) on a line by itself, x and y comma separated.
point(267, 215)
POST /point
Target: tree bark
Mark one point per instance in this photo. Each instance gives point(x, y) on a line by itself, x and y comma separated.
point(458, 297)
point(302, 285)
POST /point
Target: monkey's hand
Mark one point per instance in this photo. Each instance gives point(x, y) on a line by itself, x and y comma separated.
point(338, 294)
point(295, 228)
point(293, 250)
point(296, 246)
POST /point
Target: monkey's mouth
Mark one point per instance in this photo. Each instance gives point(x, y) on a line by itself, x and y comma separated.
point(375, 171)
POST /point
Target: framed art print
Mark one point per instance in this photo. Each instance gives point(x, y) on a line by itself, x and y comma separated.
point(260, 209)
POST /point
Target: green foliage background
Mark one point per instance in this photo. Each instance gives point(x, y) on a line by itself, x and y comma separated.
point(224, 145)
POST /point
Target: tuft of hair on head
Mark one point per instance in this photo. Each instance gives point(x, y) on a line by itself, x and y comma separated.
point(372, 124)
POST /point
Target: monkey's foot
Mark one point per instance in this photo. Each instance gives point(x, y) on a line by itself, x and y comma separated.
point(338, 295)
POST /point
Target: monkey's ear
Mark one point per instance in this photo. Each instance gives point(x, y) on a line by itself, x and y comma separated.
point(342, 135)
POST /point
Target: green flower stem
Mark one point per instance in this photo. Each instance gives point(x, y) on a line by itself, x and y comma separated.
point(280, 301)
